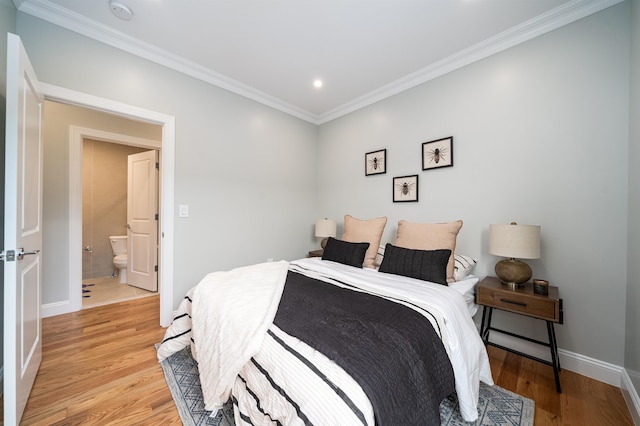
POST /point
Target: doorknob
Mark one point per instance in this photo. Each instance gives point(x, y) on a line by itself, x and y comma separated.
point(21, 254)
point(127, 226)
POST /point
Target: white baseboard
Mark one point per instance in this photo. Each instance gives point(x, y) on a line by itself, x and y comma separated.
point(599, 370)
point(590, 367)
point(57, 308)
point(631, 396)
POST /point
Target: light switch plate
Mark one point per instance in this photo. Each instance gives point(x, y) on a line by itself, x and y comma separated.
point(183, 210)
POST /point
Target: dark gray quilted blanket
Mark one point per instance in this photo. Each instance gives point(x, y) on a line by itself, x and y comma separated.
point(391, 350)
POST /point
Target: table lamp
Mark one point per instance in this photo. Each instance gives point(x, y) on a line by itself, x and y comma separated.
point(514, 241)
point(325, 228)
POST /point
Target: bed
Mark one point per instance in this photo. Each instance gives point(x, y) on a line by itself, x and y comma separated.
point(320, 341)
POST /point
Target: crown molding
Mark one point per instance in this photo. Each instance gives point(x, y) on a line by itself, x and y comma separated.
point(542, 24)
point(75, 22)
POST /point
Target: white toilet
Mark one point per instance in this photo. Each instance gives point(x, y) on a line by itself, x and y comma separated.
point(119, 248)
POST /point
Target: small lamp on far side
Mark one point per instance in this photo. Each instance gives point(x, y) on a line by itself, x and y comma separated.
point(514, 241)
point(325, 228)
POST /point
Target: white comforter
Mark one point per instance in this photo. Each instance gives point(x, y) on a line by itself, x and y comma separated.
point(233, 311)
point(231, 314)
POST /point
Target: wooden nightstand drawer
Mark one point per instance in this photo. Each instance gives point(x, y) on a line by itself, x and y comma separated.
point(316, 253)
point(521, 300)
point(520, 304)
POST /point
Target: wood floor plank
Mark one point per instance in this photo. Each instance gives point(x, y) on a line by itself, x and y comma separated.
point(99, 367)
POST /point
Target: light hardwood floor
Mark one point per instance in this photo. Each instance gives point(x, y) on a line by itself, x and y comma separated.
point(99, 367)
point(583, 401)
point(107, 290)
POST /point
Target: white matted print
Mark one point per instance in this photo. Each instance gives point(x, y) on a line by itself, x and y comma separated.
point(375, 162)
point(405, 188)
point(438, 153)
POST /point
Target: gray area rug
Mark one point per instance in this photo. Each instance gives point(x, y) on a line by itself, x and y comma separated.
point(496, 406)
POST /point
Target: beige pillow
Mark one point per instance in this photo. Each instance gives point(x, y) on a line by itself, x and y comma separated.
point(361, 231)
point(430, 236)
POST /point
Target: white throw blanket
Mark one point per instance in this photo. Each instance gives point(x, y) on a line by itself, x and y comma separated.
point(245, 301)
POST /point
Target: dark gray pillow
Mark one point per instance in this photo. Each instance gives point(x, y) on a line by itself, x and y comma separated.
point(351, 254)
point(427, 265)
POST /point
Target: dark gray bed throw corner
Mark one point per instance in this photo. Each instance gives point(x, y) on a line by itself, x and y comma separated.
point(496, 406)
point(391, 350)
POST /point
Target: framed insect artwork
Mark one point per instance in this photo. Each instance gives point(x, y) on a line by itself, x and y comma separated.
point(405, 188)
point(375, 162)
point(438, 153)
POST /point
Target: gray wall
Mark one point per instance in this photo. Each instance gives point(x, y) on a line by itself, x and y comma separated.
point(632, 346)
point(540, 137)
point(247, 172)
point(7, 24)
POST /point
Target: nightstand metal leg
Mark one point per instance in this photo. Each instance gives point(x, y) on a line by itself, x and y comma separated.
point(488, 325)
point(555, 345)
point(485, 327)
point(484, 314)
point(555, 359)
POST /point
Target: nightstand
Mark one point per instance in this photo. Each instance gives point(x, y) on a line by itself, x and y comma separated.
point(492, 294)
point(316, 253)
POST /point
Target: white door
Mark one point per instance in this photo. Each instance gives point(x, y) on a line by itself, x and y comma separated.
point(22, 232)
point(142, 207)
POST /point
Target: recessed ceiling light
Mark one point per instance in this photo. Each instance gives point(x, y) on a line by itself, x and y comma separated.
point(121, 10)
point(317, 83)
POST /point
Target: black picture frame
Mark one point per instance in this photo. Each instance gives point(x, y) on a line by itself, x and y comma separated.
point(437, 154)
point(405, 189)
point(375, 162)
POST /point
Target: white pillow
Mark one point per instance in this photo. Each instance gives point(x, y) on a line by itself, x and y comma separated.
point(463, 266)
point(380, 255)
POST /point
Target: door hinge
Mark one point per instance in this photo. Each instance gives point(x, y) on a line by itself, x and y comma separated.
point(156, 268)
point(8, 256)
point(158, 166)
point(157, 216)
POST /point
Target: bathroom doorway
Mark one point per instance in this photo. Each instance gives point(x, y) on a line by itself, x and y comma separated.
point(64, 133)
point(67, 126)
point(107, 195)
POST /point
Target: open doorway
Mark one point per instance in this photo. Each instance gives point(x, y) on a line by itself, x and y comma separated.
point(119, 226)
point(105, 144)
point(69, 220)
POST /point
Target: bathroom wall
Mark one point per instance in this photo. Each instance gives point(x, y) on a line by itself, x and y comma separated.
point(104, 203)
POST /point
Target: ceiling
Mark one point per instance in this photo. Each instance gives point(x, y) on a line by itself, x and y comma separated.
point(272, 50)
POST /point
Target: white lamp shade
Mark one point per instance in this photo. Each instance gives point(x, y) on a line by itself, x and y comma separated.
point(516, 241)
point(325, 228)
